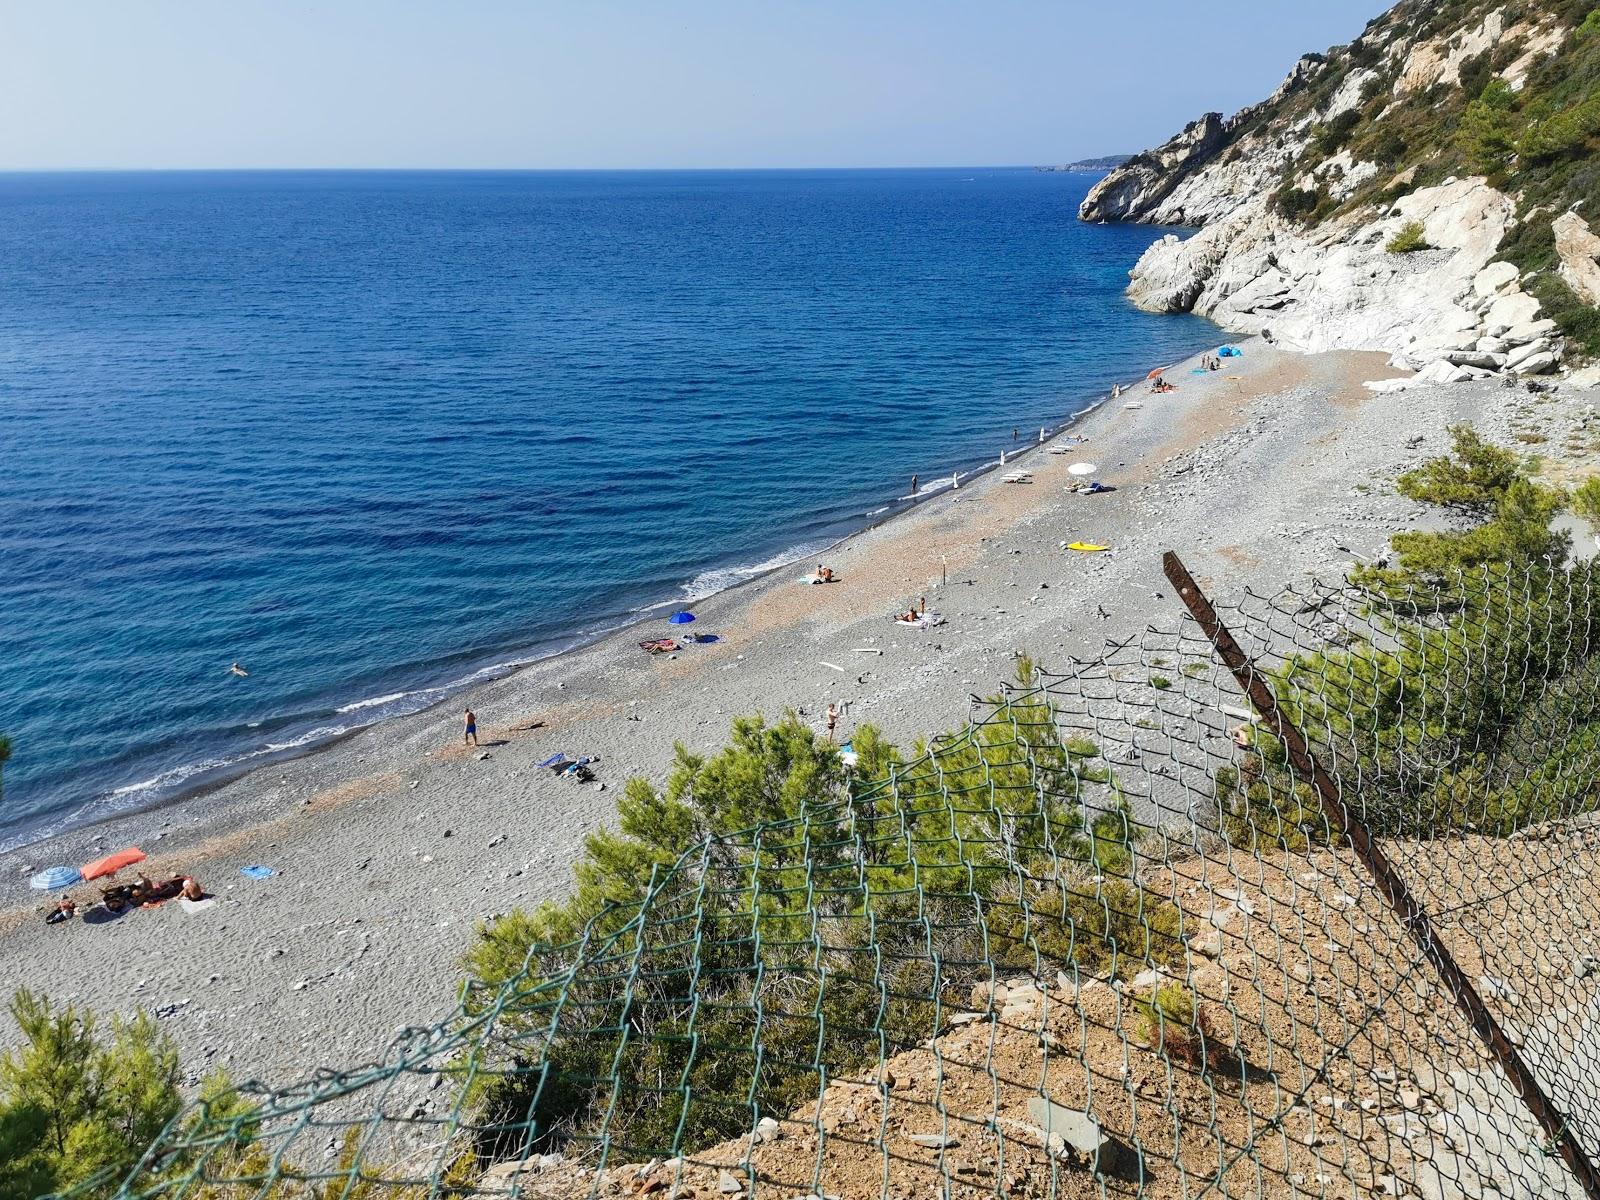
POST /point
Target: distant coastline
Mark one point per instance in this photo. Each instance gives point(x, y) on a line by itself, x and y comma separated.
point(1106, 162)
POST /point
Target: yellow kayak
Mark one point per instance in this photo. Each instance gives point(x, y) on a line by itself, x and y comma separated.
point(1087, 547)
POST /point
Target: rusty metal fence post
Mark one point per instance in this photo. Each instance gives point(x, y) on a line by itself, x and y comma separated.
point(1384, 876)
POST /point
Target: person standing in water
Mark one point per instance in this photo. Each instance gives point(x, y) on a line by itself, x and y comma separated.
point(470, 734)
point(913, 485)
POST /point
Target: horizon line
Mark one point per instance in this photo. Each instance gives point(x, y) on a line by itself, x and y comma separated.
point(81, 170)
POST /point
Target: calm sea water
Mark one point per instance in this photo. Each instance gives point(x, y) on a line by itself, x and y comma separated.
point(374, 435)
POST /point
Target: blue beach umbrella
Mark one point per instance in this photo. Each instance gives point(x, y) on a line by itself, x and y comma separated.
point(53, 879)
point(680, 618)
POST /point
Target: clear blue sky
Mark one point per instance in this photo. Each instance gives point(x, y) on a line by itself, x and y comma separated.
point(631, 83)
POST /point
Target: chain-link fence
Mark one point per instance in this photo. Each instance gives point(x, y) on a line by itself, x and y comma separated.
point(1290, 897)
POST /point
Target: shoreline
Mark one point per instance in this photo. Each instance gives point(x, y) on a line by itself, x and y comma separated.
point(391, 846)
point(207, 780)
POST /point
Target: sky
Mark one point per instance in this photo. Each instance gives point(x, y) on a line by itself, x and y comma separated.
point(108, 84)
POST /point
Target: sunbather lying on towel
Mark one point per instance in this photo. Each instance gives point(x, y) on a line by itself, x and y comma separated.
point(658, 646)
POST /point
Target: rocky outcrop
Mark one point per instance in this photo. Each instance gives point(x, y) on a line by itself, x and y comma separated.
point(1141, 183)
point(1337, 286)
point(1579, 250)
point(1206, 171)
point(1261, 185)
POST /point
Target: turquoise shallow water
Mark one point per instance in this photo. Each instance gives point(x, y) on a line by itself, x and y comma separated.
point(377, 434)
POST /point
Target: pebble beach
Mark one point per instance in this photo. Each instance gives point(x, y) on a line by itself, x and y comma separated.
point(390, 846)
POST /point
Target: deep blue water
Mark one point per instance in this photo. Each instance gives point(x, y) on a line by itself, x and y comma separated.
point(370, 433)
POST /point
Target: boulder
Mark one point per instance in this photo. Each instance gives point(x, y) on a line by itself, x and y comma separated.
point(1382, 386)
point(1579, 250)
point(1442, 372)
point(1518, 334)
point(1538, 364)
point(1511, 310)
point(1522, 353)
point(1491, 345)
point(1494, 278)
point(1476, 358)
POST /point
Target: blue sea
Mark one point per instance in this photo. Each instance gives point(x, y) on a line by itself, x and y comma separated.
point(377, 435)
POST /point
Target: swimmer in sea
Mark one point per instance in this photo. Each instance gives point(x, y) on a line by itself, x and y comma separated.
point(236, 669)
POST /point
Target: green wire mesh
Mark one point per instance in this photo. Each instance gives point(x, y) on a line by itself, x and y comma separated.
point(1102, 943)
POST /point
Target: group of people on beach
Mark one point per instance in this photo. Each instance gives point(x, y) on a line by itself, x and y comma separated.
point(142, 893)
point(1210, 362)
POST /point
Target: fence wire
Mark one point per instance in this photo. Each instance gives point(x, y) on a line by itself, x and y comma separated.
point(1105, 942)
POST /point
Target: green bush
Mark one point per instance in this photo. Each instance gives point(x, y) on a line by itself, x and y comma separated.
point(1330, 137)
point(824, 919)
point(1586, 501)
point(1410, 239)
point(80, 1103)
point(1578, 321)
point(1298, 203)
point(1475, 706)
point(1170, 1020)
point(1488, 485)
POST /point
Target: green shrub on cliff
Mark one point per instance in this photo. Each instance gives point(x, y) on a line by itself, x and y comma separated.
point(1409, 240)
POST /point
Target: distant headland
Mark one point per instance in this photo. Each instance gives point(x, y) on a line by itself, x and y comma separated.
point(1106, 162)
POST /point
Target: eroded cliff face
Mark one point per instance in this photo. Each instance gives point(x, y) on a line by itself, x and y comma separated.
point(1208, 170)
point(1299, 199)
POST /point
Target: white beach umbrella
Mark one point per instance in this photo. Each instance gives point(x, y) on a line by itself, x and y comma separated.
point(1082, 468)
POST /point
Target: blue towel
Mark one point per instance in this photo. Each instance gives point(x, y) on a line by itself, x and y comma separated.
point(257, 872)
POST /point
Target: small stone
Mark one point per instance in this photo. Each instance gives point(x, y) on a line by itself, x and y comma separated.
point(933, 1141)
point(728, 1185)
point(1208, 944)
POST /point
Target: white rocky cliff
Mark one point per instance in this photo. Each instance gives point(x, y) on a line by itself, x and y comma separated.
point(1449, 310)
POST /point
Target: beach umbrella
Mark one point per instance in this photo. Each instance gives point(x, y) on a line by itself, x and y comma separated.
point(1157, 373)
point(53, 879)
point(680, 618)
point(1082, 469)
point(112, 863)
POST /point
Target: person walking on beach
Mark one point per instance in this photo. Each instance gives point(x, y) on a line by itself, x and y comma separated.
point(832, 718)
point(470, 734)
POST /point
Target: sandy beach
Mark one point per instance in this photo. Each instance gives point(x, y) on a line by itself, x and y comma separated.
point(391, 845)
